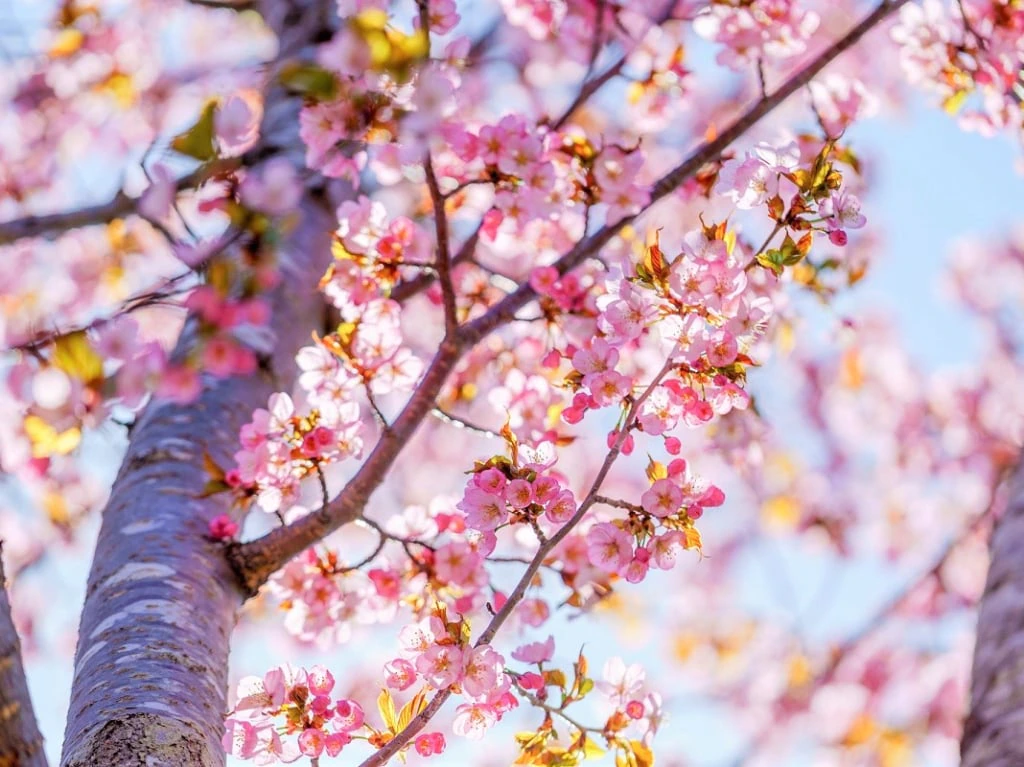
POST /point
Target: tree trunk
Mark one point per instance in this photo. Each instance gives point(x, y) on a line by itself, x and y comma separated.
point(994, 729)
point(21, 744)
point(152, 658)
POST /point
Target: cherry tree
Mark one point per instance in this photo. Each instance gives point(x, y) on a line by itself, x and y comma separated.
point(447, 319)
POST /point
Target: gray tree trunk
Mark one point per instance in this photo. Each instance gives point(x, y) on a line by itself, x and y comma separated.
point(152, 658)
point(21, 744)
point(994, 729)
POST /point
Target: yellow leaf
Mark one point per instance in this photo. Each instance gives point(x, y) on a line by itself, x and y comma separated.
point(730, 241)
point(341, 253)
point(804, 273)
point(380, 49)
point(371, 20)
point(411, 709)
point(67, 42)
point(75, 356)
point(56, 508)
point(955, 103)
point(655, 470)
point(851, 370)
point(386, 706)
point(408, 48)
point(684, 645)
point(654, 260)
point(785, 337)
point(692, 538)
point(121, 87)
point(554, 677)
point(642, 754)
point(213, 469)
point(46, 440)
point(591, 750)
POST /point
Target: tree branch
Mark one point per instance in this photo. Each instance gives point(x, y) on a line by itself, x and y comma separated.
point(119, 206)
point(234, 5)
point(256, 560)
point(21, 744)
point(444, 256)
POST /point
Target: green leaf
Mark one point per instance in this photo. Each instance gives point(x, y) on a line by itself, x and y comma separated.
point(309, 80)
point(197, 141)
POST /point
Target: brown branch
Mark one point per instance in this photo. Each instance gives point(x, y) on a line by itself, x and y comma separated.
point(238, 5)
point(411, 287)
point(21, 743)
point(256, 560)
point(443, 262)
point(119, 206)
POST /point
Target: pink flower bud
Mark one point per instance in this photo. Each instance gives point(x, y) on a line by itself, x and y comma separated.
point(223, 528)
point(838, 237)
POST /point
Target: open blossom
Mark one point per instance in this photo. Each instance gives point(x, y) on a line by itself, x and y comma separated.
point(662, 499)
point(621, 683)
point(609, 547)
point(483, 510)
point(841, 210)
point(472, 720)
point(535, 652)
point(441, 665)
point(399, 674)
point(483, 672)
point(750, 181)
point(237, 120)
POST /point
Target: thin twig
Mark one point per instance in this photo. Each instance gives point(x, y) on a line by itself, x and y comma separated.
point(618, 504)
point(461, 423)
point(119, 206)
point(411, 287)
point(443, 262)
point(760, 78)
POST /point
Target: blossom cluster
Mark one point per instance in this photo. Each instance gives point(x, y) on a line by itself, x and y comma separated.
point(289, 713)
point(428, 557)
point(630, 547)
point(501, 492)
point(758, 30)
point(281, 447)
point(436, 651)
point(969, 53)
